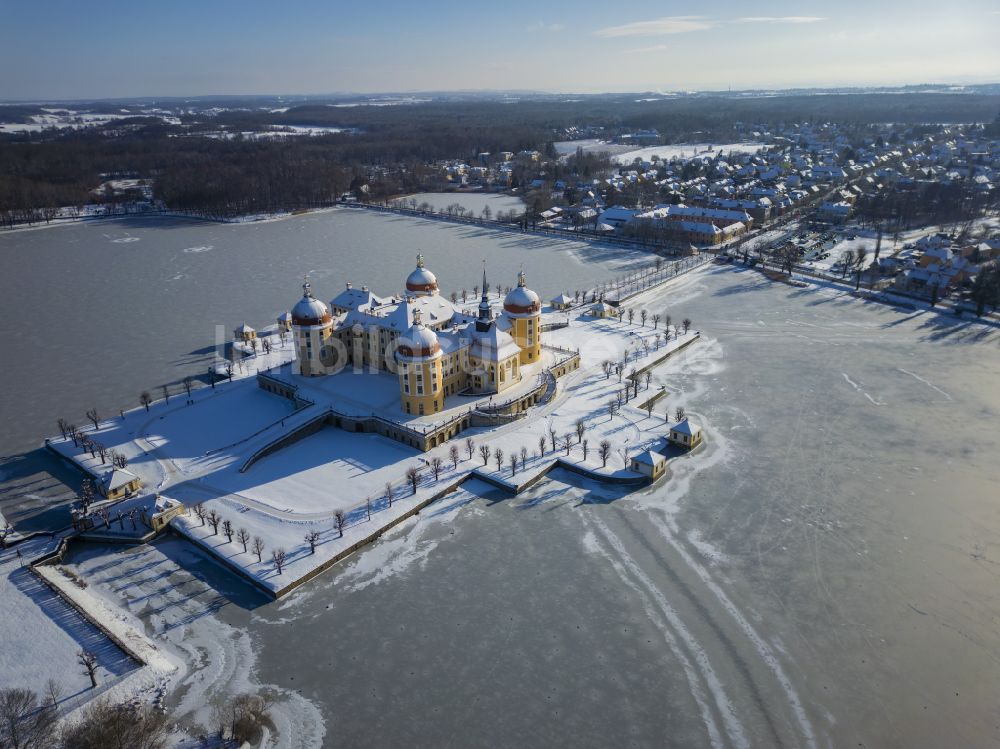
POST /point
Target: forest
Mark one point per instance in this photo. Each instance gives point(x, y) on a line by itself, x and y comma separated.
point(204, 162)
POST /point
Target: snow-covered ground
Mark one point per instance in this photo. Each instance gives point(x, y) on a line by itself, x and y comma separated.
point(170, 592)
point(42, 635)
point(686, 150)
point(470, 201)
point(61, 118)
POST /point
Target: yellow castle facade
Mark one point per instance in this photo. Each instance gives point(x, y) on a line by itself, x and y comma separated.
point(434, 347)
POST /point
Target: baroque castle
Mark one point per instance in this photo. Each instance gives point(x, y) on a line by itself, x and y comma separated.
point(434, 347)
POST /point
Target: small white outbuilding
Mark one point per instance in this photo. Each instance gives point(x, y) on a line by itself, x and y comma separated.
point(649, 463)
point(686, 433)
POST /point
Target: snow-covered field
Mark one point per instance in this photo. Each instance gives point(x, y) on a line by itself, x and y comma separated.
point(686, 150)
point(470, 201)
point(625, 154)
point(42, 635)
point(60, 118)
point(170, 591)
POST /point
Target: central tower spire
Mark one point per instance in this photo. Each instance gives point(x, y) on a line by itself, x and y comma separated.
point(483, 321)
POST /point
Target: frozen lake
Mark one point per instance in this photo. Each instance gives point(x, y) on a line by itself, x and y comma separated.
point(95, 313)
point(827, 577)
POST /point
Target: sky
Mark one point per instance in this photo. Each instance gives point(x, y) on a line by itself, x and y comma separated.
point(53, 49)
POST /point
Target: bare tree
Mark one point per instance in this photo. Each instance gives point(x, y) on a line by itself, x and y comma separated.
point(687, 324)
point(258, 548)
point(541, 446)
point(63, 427)
point(470, 445)
point(484, 453)
point(648, 405)
point(311, 538)
point(229, 371)
point(613, 407)
point(89, 662)
point(581, 429)
point(389, 493)
point(105, 724)
point(656, 320)
point(340, 520)
point(846, 261)
point(227, 529)
point(53, 693)
point(436, 465)
point(243, 536)
point(86, 495)
point(102, 451)
point(648, 377)
point(279, 556)
point(680, 413)
point(631, 316)
point(243, 717)
point(584, 446)
point(145, 399)
point(93, 417)
point(604, 451)
point(524, 456)
point(120, 460)
point(413, 477)
point(643, 314)
point(26, 722)
point(552, 437)
point(188, 383)
point(214, 519)
point(200, 512)
point(368, 507)
point(499, 458)
point(266, 345)
point(607, 366)
point(453, 454)
point(513, 463)
point(568, 442)
point(166, 393)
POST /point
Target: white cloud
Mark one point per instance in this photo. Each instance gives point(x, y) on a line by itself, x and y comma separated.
point(780, 19)
point(542, 26)
point(658, 27)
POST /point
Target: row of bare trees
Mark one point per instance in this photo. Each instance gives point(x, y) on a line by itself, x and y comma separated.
point(31, 721)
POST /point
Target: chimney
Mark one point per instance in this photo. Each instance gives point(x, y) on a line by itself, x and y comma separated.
point(349, 287)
